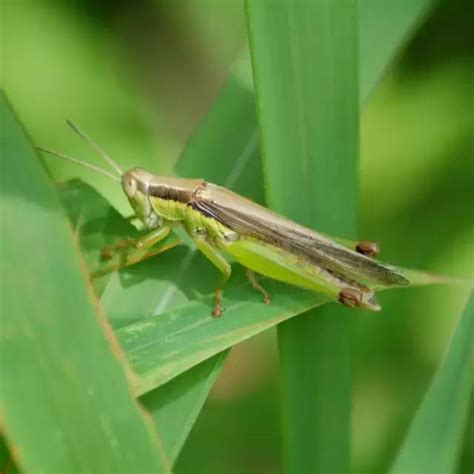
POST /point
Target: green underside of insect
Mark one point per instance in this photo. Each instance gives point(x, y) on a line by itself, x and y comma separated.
point(222, 223)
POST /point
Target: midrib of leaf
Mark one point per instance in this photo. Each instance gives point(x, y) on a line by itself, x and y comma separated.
point(302, 129)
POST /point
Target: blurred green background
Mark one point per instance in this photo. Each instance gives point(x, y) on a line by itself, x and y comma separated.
point(139, 77)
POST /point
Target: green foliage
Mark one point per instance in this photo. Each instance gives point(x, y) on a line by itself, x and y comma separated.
point(434, 438)
point(163, 347)
point(68, 418)
point(309, 87)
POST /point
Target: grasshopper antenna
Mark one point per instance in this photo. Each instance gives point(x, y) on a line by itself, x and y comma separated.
point(96, 147)
point(79, 162)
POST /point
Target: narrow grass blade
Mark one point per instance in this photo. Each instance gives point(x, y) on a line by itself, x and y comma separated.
point(65, 402)
point(435, 435)
point(176, 405)
point(384, 26)
point(305, 64)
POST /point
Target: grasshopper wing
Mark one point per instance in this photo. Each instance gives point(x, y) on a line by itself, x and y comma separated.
point(252, 220)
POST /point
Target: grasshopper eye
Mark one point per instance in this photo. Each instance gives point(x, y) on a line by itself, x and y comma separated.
point(129, 184)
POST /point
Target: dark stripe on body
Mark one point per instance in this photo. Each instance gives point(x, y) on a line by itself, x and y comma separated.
point(168, 193)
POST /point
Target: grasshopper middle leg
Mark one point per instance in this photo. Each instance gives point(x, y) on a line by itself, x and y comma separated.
point(253, 281)
point(222, 265)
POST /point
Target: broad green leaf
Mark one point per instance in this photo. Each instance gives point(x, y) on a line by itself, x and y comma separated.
point(163, 347)
point(65, 400)
point(305, 65)
point(435, 435)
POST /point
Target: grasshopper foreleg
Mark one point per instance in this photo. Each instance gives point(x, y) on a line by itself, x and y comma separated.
point(144, 242)
point(153, 237)
point(122, 244)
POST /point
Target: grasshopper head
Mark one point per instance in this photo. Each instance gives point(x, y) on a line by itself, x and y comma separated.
point(135, 186)
point(135, 182)
point(129, 184)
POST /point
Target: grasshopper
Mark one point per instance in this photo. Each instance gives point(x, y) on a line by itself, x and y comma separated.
point(221, 222)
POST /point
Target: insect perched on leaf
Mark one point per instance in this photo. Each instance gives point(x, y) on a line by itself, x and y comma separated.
point(222, 223)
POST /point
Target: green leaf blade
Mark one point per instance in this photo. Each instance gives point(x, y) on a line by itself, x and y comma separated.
point(384, 27)
point(435, 435)
point(162, 347)
point(176, 405)
point(65, 401)
point(305, 72)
